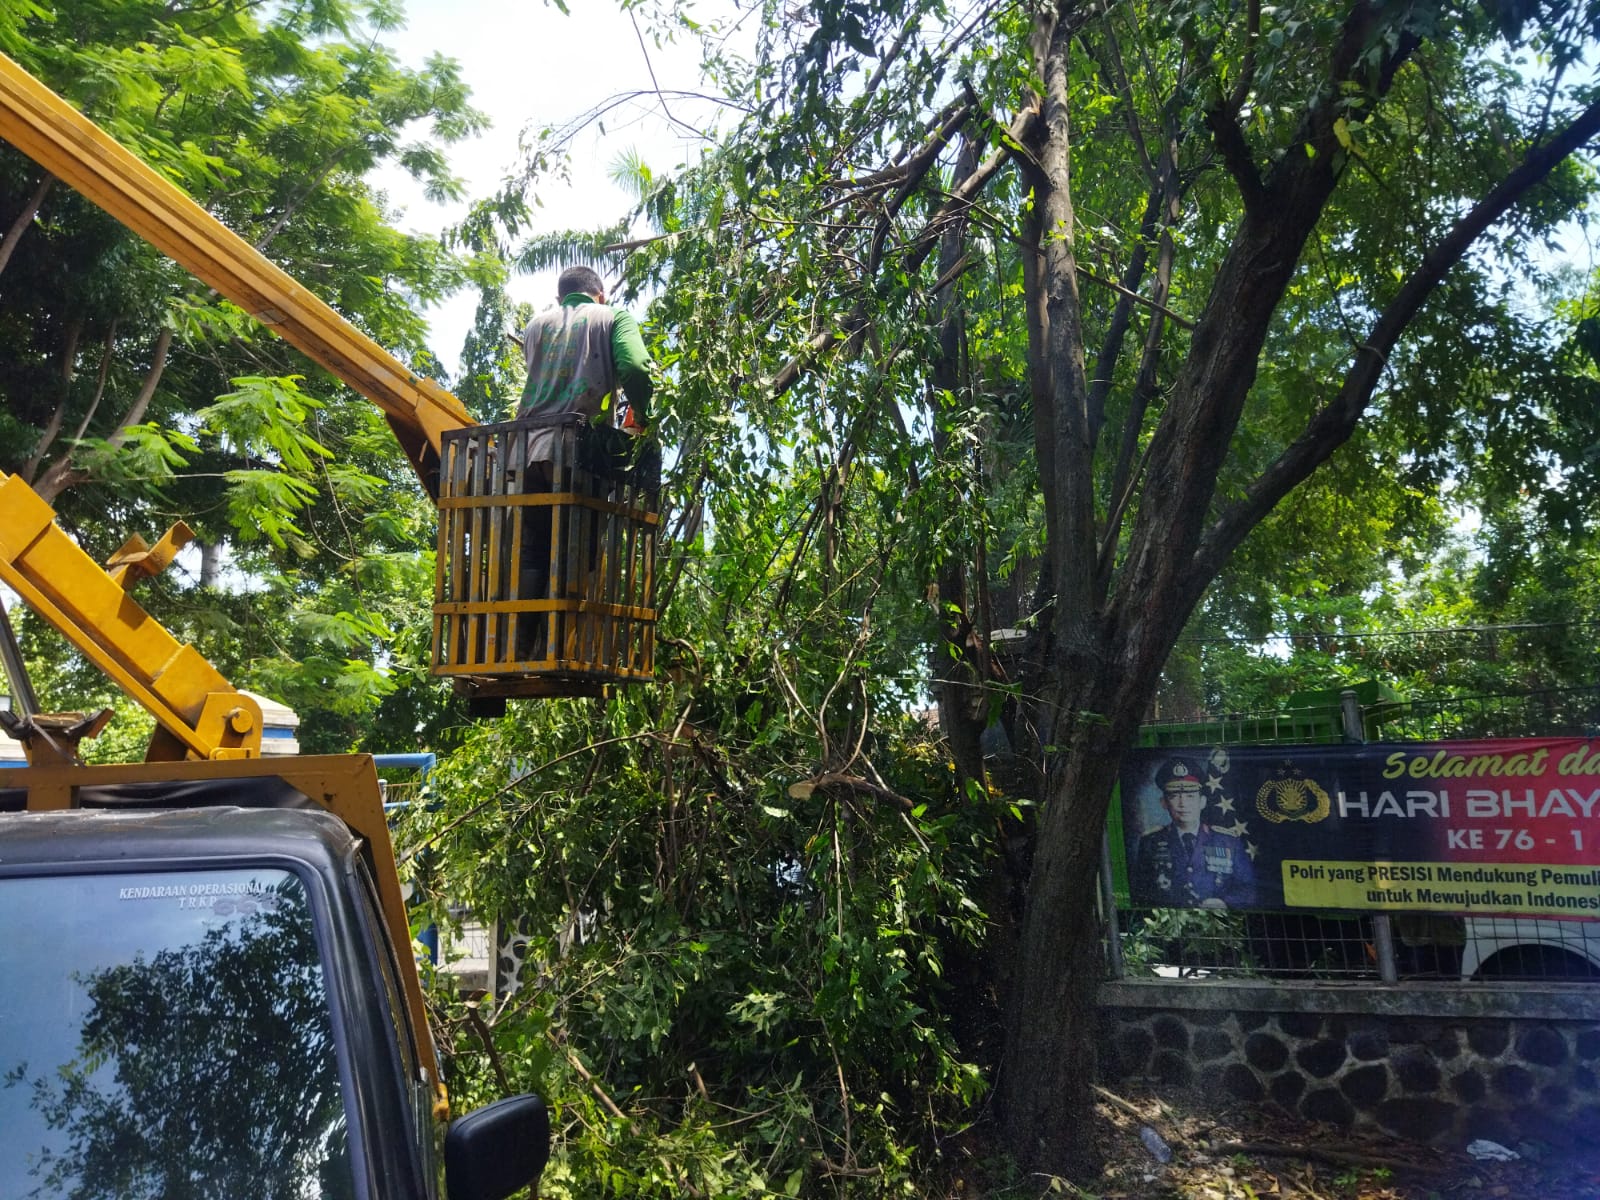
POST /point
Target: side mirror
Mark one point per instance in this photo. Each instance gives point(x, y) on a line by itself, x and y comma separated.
point(497, 1149)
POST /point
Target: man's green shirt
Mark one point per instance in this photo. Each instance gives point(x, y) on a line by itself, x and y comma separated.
point(579, 354)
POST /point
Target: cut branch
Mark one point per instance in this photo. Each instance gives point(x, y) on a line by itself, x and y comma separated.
point(1337, 1158)
point(486, 1039)
point(600, 1093)
point(853, 783)
point(639, 243)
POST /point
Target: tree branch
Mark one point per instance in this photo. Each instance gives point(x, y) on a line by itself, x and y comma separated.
point(1292, 171)
point(1127, 289)
point(24, 219)
point(817, 344)
point(1235, 152)
point(31, 467)
point(1134, 298)
point(61, 474)
point(69, 370)
point(897, 170)
point(1332, 426)
point(1116, 77)
point(1247, 71)
point(917, 169)
point(881, 71)
point(655, 83)
point(486, 1038)
point(100, 380)
point(152, 378)
point(962, 196)
point(1125, 475)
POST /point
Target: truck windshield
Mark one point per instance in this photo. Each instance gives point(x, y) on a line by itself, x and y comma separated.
point(166, 1035)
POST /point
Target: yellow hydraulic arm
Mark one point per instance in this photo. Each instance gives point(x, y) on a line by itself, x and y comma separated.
point(598, 616)
point(199, 714)
point(73, 149)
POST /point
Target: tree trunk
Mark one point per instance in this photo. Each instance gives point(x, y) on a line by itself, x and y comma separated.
point(1052, 1022)
point(62, 474)
point(1114, 631)
point(958, 688)
point(1045, 1100)
point(210, 564)
point(20, 226)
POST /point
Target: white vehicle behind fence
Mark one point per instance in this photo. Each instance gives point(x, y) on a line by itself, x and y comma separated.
point(1526, 947)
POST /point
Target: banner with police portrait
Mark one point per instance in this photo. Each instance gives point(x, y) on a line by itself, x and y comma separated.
point(1508, 826)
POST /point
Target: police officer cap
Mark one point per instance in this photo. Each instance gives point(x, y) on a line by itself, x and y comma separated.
point(1179, 773)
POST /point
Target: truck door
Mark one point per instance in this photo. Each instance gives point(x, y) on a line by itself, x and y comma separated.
point(422, 1131)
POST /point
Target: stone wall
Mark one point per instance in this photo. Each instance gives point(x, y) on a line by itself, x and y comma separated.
point(1435, 1062)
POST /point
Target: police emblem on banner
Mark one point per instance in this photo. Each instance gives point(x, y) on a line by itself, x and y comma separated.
point(1290, 796)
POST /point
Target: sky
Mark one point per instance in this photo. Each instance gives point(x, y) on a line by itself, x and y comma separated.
point(529, 65)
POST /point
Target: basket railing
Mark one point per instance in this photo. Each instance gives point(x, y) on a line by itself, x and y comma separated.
point(546, 559)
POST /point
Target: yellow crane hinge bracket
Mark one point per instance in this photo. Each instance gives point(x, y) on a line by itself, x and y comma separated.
point(231, 724)
point(137, 559)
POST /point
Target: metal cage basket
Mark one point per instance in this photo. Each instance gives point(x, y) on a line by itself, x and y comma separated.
point(546, 558)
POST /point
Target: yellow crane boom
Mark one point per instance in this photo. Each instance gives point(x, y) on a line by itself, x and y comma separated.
point(599, 526)
point(75, 150)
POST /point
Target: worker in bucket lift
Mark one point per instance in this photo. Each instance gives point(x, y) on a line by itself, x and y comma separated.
point(580, 355)
point(1187, 864)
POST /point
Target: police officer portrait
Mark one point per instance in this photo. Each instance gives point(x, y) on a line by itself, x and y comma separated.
point(1181, 861)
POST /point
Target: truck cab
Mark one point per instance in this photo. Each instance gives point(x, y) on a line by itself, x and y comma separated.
point(202, 997)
